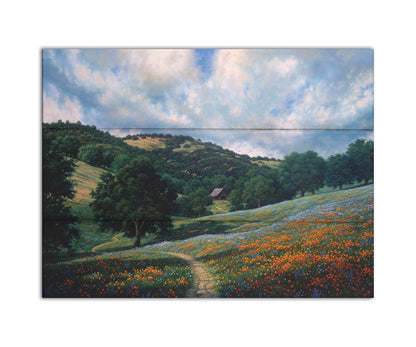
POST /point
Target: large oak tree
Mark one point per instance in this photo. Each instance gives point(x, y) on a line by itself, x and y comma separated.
point(338, 171)
point(361, 155)
point(303, 172)
point(136, 200)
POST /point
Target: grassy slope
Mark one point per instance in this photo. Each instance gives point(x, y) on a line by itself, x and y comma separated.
point(86, 178)
point(189, 147)
point(314, 246)
point(148, 143)
point(220, 206)
point(235, 222)
point(249, 220)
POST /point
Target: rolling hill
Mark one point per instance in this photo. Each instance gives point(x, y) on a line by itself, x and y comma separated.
point(185, 157)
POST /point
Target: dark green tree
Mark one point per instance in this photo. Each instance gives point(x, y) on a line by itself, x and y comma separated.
point(361, 155)
point(303, 172)
point(259, 191)
point(199, 201)
point(176, 183)
point(135, 200)
point(338, 171)
point(218, 181)
point(184, 206)
point(57, 188)
point(236, 199)
point(192, 185)
point(120, 161)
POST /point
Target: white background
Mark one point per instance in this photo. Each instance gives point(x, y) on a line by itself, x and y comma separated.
point(28, 26)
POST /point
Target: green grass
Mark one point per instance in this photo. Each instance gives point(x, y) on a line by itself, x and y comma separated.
point(121, 242)
point(269, 163)
point(86, 178)
point(326, 189)
point(220, 206)
point(192, 147)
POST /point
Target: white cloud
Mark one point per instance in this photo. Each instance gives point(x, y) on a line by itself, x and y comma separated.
point(283, 67)
point(246, 88)
point(230, 70)
point(160, 68)
point(68, 111)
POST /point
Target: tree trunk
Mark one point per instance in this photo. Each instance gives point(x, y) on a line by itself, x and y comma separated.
point(139, 232)
point(302, 193)
point(366, 181)
point(340, 186)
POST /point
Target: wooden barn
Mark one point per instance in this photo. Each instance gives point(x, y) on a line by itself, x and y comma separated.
point(219, 194)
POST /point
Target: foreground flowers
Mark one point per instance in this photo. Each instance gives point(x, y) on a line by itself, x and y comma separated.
point(303, 250)
point(136, 273)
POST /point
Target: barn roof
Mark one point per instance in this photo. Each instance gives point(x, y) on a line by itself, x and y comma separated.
point(216, 192)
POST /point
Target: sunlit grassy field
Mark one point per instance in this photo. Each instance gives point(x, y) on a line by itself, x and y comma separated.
point(86, 178)
point(220, 206)
point(188, 146)
point(148, 143)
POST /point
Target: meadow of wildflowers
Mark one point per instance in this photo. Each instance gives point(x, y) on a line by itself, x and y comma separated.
point(133, 273)
point(318, 246)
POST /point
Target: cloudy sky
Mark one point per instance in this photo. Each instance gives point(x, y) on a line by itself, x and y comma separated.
point(125, 91)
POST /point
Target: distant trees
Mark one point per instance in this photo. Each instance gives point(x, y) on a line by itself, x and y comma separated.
point(87, 143)
point(135, 200)
point(236, 199)
point(361, 156)
point(338, 171)
point(192, 185)
point(258, 188)
point(57, 188)
point(258, 191)
point(98, 154)
point(199, 200)
point(303, 172)
point(183, 207)
point(176, 183)
point(195, 204)
point(68, 144)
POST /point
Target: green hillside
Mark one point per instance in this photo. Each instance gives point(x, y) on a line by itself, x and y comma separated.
point(185, 157)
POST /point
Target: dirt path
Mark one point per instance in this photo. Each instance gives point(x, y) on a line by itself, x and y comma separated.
point(113, 239)
point(204, 285)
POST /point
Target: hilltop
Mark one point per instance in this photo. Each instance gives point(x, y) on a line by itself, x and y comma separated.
point(182, 157)
point(188, 157)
